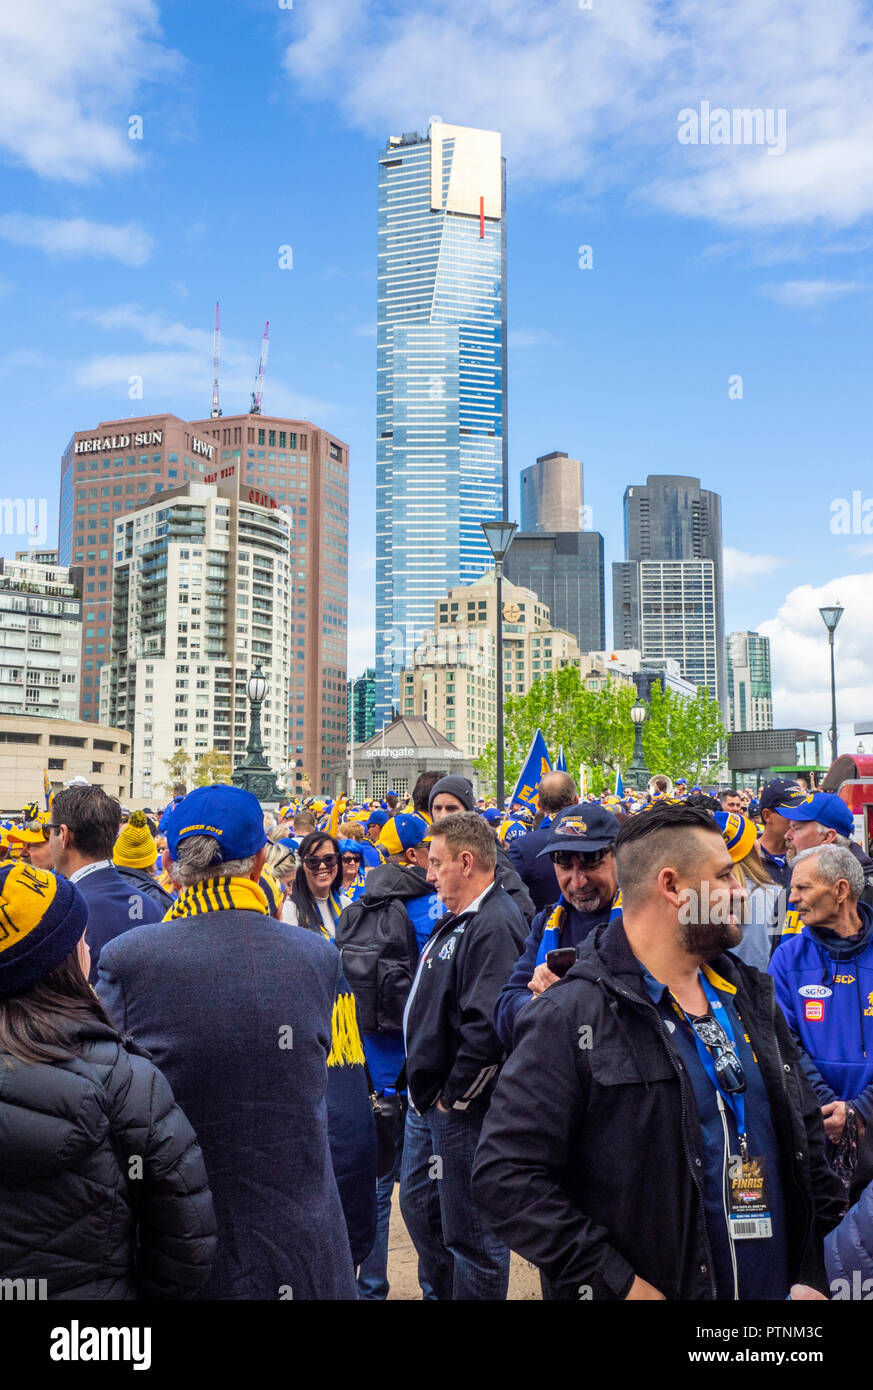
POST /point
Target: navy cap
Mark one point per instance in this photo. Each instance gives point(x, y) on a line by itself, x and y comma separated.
point(825, 807)
point(779, 792)
point(229, 815)
point(582, 830)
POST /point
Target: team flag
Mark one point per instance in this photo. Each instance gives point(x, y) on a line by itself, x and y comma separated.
point(561, 764)
point(536, 765)
point(47, 788)
point(619, 785)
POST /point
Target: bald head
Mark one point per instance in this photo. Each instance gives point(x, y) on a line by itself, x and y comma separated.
point(556, 791)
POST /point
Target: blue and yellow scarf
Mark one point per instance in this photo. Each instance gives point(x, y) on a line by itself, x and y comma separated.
point(551, 938)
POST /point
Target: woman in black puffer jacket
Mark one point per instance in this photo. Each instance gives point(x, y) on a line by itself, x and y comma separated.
point(103, 1191)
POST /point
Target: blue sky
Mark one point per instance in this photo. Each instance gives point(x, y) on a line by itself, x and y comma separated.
point(261, 126)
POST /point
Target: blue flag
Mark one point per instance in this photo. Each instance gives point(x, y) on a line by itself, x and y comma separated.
point(536, 765)
point(619, 785)
point(561, 764)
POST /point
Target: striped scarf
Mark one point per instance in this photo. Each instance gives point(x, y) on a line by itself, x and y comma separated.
point(219, 895)
point(551, 938)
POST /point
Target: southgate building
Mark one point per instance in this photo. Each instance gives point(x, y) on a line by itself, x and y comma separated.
point(441, 462)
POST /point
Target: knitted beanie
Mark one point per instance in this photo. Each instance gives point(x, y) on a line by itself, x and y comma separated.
point(42, 917)
point(457, 787)
point(135, 847)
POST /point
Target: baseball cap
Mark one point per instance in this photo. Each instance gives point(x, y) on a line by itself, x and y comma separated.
point(403, 832)
point(492, 815)
point(825, 807)
point(229, 815)
point(582, 830)
point(377, 818)
point(780, 792)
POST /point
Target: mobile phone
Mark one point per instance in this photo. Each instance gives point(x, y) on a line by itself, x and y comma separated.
point(560, 960)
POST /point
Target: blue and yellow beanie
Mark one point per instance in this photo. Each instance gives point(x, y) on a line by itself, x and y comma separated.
point(42, 918)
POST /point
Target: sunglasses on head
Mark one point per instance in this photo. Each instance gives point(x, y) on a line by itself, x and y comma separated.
point(326, 861)
point(567, 858)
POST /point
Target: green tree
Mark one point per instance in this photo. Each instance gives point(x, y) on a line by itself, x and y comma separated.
point(212, 766)
point(179, 765)
point(682, 737)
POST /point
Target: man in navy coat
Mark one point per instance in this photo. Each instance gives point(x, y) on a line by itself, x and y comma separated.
point(555, 793)
point(82, 833)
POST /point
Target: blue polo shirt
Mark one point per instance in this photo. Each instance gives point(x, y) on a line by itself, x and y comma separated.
point(762, 1264)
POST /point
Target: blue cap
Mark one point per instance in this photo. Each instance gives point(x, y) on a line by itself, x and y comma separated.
point(491, 814)
point(229, 815)
point(582, 830)
point(166, 813)
point(377, 818)
point(825, 807)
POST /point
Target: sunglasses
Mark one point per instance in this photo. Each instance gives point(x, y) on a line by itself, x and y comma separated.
point(327, 861)
point(567, 858)
point(352, 858)
point(728, 1067)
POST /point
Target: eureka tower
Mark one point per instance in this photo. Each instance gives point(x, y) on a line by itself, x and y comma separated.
point(441, 462)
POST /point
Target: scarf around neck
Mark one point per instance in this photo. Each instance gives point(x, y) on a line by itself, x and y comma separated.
point(219, 895)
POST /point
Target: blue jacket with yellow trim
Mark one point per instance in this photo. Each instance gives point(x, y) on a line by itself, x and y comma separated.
point(824, 984)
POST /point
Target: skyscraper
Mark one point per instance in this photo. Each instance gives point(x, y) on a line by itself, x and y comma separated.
point(565, 571)
point(750, 696)
point(551, 494)
point(441, 462)
point(668, 593)
point(362, 704)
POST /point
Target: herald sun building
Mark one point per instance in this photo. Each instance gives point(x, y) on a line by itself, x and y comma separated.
point(111, 471)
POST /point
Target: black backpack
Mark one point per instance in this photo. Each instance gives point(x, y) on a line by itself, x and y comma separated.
point(379, 952)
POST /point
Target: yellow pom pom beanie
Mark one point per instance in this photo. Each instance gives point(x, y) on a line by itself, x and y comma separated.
point(135, 847)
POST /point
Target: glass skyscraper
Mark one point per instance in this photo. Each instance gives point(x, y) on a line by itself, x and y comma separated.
point(441, 463)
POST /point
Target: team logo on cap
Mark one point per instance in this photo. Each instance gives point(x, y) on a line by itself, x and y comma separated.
point(572, 827)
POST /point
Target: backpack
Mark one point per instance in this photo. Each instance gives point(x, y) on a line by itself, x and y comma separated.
point(379, 952)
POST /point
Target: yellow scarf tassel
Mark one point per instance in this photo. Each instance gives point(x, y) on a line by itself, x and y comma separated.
point(346, 1048)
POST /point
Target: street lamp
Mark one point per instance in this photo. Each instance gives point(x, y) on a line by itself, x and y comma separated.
point(499, 536)
point(254, 773)
point(639, 773)
point(831, 616)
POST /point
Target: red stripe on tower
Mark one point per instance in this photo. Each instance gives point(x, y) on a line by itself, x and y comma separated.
point(482, 216)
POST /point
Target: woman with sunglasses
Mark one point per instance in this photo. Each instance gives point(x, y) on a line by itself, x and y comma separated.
point(317, 898)
point(354, 874)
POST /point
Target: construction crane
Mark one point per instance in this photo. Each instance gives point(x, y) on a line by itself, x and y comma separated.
point(216, 353)
point(258, 393)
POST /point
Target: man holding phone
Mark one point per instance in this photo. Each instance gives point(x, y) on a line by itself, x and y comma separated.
point(581, 850)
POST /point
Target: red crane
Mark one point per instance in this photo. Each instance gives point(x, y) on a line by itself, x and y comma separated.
point(216, 353)
point(258, 393)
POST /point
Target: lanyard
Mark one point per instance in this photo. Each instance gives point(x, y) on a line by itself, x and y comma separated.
point(735, 1099)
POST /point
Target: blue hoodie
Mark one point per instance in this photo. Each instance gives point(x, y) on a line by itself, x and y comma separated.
point(824, 985)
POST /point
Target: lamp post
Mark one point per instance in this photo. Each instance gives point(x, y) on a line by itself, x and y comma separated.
point(638, 771)
point(499, 536)
point(831, 616)
point(254, 773)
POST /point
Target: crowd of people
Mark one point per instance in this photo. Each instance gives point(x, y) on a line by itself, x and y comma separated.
point(630, 1039)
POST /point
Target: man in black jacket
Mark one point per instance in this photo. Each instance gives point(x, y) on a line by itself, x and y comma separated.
point(555, 793)
point(452, 1058)
point(653, 1135)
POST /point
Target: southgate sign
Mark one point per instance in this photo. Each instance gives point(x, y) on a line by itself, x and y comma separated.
point(413, 752)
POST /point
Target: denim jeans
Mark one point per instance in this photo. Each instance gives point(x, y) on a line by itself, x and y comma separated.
point(458, 1257)
point(373, 1272)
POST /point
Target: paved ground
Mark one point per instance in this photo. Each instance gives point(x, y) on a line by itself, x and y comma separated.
point(524, 1282)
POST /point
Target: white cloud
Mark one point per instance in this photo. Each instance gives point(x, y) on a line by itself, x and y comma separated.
point(741, 569)
point(594, 95)
point(182, 365)
point(799, 655)
point(71, 73)
point(76, 237)
point(520, 338)
point(809, 294)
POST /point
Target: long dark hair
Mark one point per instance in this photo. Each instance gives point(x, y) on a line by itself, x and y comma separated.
point(35, 1025)
point(308, 914)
